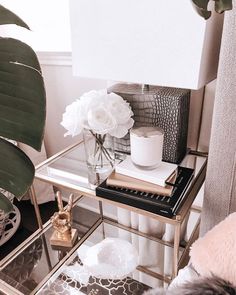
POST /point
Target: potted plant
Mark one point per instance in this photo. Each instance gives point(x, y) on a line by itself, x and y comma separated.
point(201, 6)
point(22, 111)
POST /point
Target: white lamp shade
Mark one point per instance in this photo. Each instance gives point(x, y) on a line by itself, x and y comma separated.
point(154, 42)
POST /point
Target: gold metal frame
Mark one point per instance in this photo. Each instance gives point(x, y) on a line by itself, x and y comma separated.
point(99, 222)
point(58, 155)
point(36, 206)
point(80, 242)
point(30, 239)
point(8, 290)
point(176, 221)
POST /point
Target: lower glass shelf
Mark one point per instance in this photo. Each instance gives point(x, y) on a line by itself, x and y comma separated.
point(153, 262)
point(35, 260)
point(38, 268)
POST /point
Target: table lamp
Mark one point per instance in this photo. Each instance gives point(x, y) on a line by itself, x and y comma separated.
point(164, 44)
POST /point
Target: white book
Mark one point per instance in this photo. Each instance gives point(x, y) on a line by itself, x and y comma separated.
point(157, 176)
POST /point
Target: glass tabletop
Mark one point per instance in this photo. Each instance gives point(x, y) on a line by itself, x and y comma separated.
point(72, 278)
point(69, 170)
point(38, 258)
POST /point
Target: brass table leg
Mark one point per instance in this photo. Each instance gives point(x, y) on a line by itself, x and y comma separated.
point(100, 209)
point(36, 206)
point(102, 217)
point(176, 249)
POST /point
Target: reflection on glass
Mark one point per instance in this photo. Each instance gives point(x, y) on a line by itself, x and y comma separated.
point(72, 279)
point(35, 262)
point(71, 168)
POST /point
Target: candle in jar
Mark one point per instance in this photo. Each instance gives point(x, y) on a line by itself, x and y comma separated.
point(146, 145)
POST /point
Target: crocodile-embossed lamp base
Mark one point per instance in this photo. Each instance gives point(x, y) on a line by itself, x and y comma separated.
point(164, 107)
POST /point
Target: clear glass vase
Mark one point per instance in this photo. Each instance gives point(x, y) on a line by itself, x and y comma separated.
point(100, 155)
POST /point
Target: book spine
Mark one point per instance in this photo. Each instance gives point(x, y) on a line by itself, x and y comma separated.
point(129, 173)
point(133, 201)
point(164, 191)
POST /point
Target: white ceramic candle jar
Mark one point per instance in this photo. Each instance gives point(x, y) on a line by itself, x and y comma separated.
point(146, 144)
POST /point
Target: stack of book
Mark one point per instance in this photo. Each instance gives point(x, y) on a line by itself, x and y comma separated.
point(160, 190)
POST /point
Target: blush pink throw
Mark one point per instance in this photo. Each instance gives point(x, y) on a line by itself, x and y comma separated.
point(215, 253)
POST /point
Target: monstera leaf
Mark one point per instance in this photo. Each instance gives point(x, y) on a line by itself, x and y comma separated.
point(8, 17)
point(22, 110)
point(223, 5)
point(220, 7)
point(201, 8)
point(5, 205)
point(18, 170)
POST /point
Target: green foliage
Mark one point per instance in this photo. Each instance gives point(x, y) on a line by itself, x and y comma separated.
point(5, 205)
point(220, 6)
point(18, 169)
point(8, 17)
point(22, 110)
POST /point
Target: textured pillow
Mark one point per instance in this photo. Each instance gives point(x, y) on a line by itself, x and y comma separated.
point(215, 253)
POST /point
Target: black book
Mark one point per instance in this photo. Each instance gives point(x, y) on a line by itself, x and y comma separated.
point(162, 205)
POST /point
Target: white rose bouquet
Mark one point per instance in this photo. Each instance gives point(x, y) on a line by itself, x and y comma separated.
point(101, 114)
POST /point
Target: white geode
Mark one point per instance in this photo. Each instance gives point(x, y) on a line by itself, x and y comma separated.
point(112, 258)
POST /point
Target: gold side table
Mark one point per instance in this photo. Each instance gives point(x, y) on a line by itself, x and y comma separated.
point(68, 170)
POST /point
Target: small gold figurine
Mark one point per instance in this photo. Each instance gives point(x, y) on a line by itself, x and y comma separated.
point(64, 235)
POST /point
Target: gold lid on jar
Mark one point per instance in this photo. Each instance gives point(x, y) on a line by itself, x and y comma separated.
point(146, 131)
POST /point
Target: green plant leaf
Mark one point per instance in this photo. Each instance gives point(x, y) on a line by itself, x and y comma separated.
point(201, 8)
point(22, 110)
point(5, 204)
point(22, 97)
point(16, 169)
point(12, 50)
point(222, 5)
point(8, 17)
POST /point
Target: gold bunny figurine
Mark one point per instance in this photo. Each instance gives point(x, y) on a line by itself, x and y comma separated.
point(63, 235)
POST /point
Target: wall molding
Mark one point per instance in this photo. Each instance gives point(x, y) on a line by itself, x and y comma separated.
point(55, 58)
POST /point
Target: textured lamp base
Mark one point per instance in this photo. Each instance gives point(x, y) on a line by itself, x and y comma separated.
point(164, 107)
point(55, 241)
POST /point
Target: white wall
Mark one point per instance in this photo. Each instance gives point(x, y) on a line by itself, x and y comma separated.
point(48, 21)
point(62, 89)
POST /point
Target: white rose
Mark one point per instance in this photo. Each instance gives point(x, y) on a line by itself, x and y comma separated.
point(100, 120)
point(72, 119)
point(92, 99)
point(119, 108)
point(122, 129)
point(100, 112)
